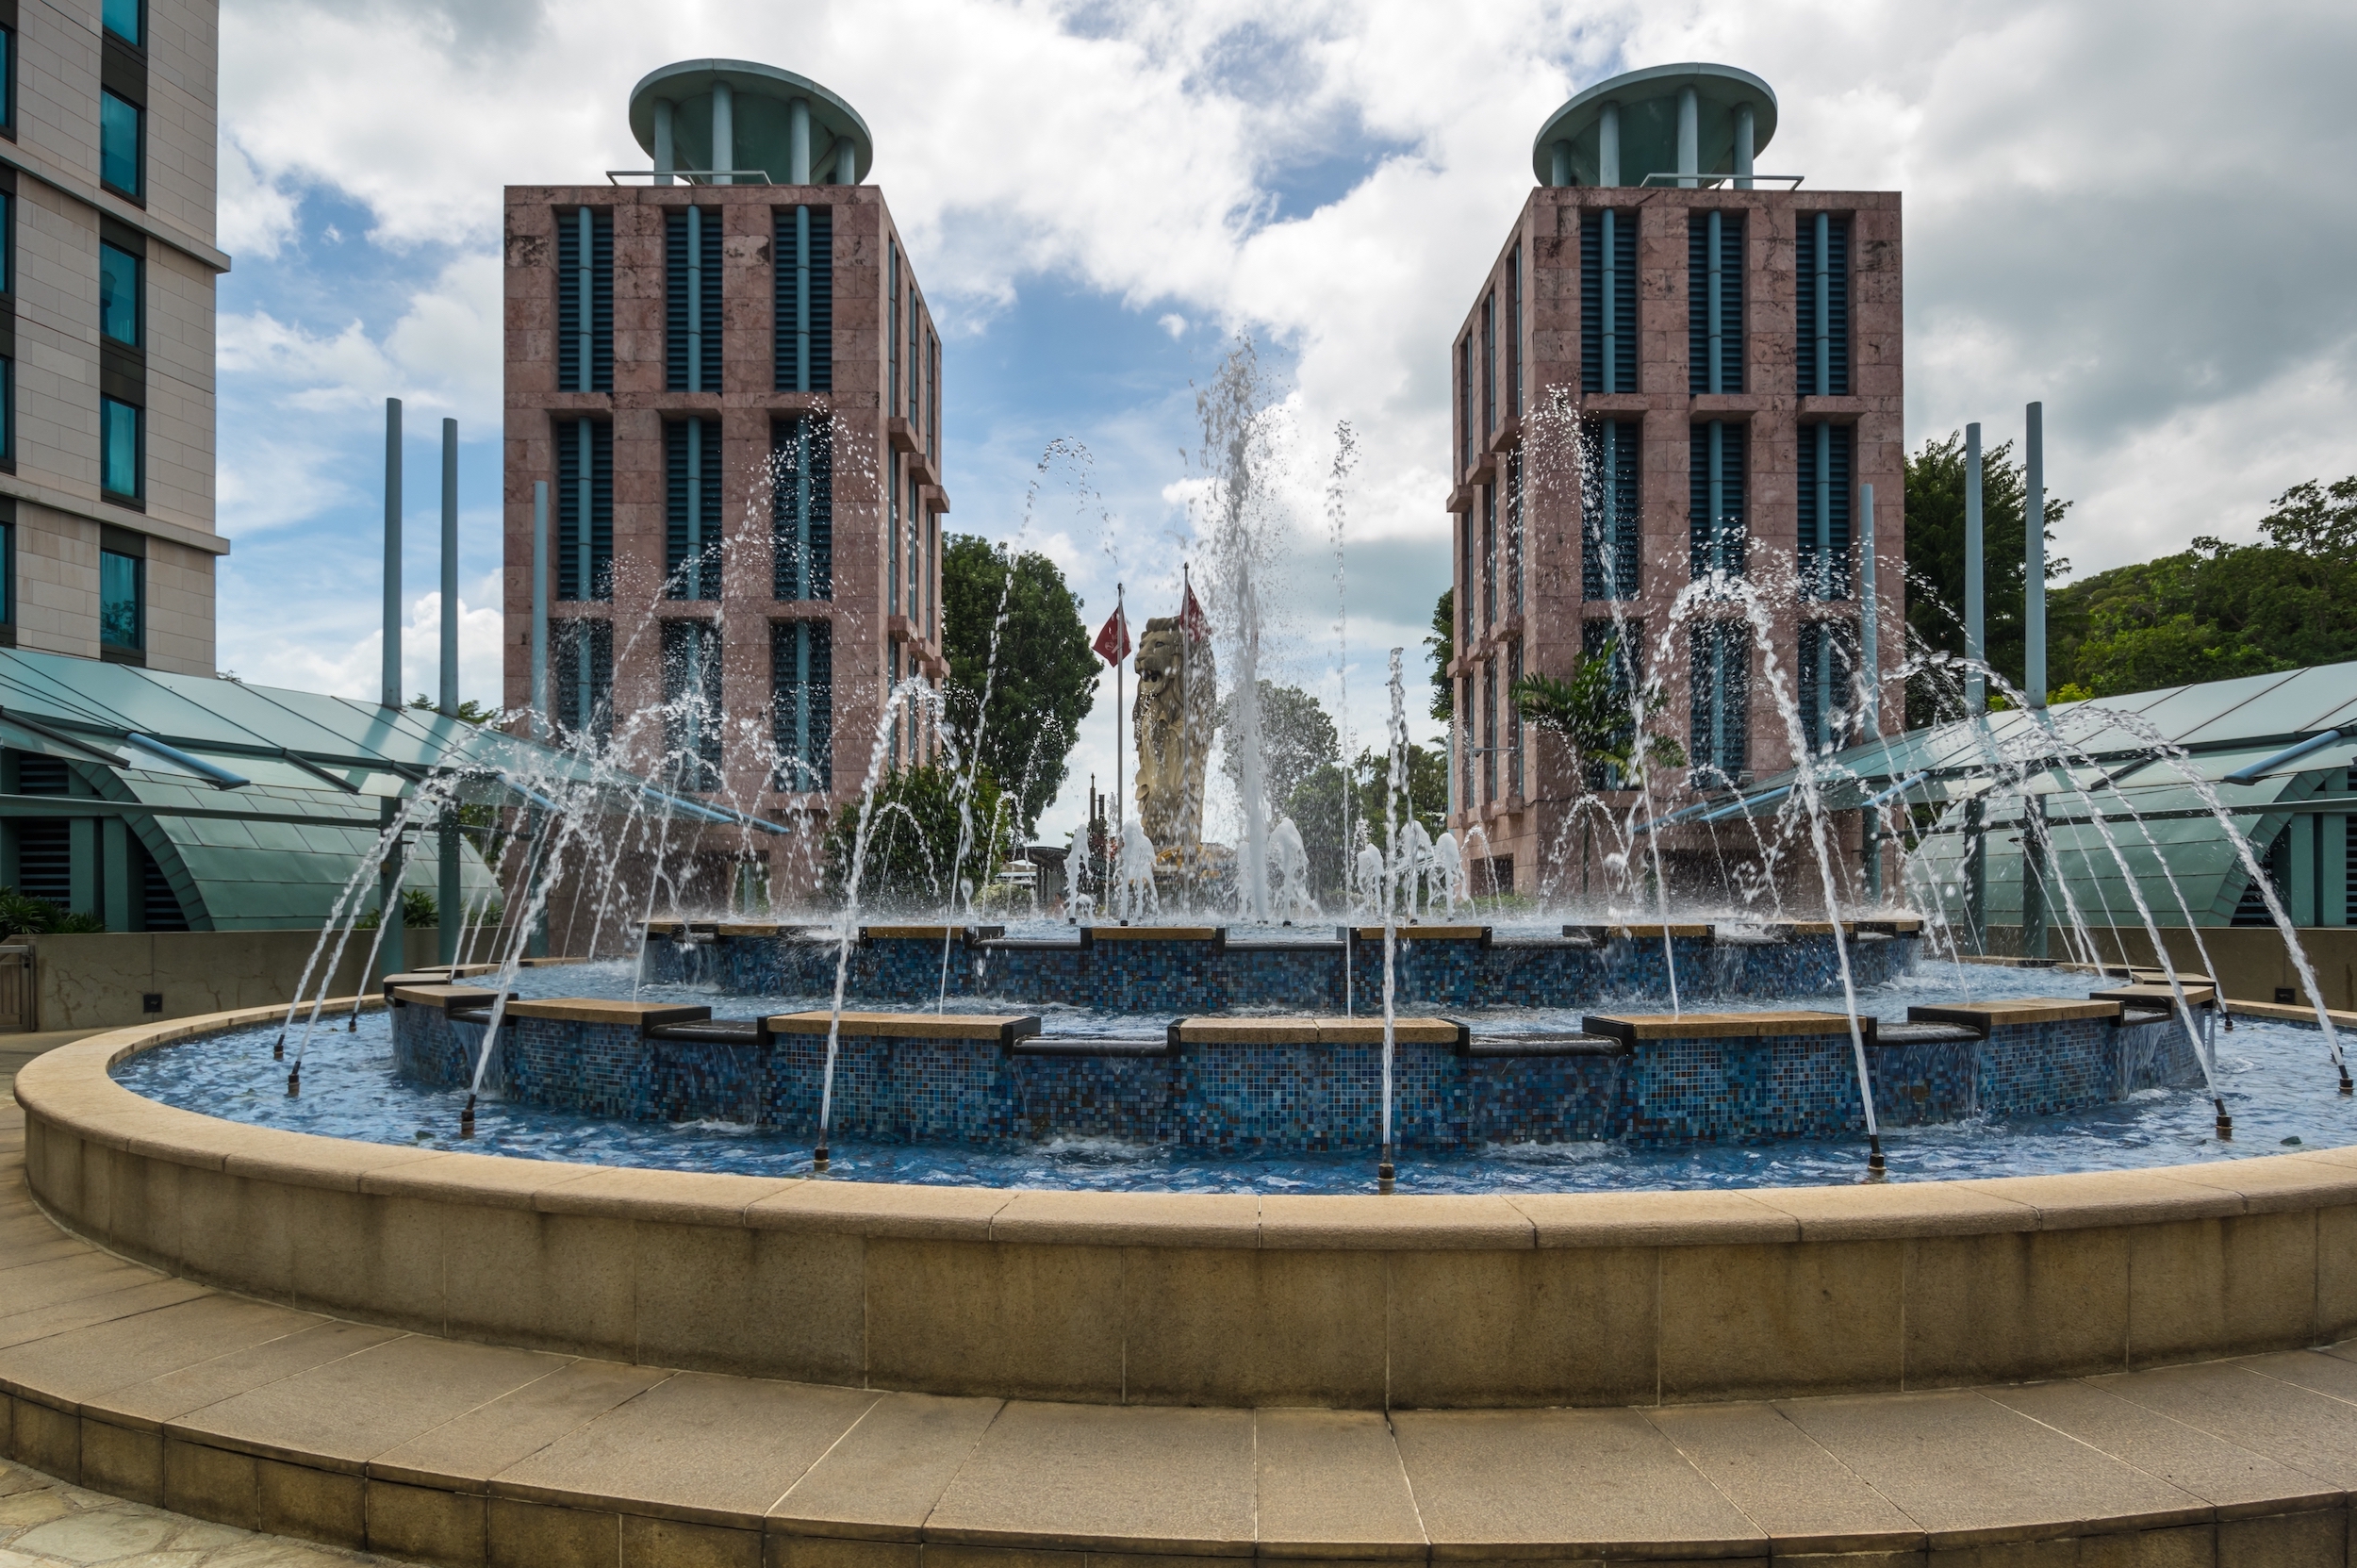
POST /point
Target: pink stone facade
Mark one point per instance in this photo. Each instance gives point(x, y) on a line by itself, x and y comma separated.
point(1522, 815)
point(879, 453)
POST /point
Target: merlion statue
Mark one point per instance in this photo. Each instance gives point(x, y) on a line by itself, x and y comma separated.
point(1174, 718)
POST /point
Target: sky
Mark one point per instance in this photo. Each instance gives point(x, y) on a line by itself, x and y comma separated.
point(2133, 213)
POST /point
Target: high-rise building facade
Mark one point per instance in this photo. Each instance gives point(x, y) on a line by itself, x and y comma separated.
point(726, 373)
point(107, 262)
point(1676, 366)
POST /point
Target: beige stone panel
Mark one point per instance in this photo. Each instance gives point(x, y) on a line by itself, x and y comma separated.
point(2232, 1477)
point(2317, 1540)
point(674, 1543)
point(426, 1524)
point(1328, 1484)
point(535, 1535)
point(1784, 1481)
point(1739, 1321)
point(223, 1377)
point(2208, 1286)
point(90, 1364)
point(1129, 1481)
point(2050, 1551)
point(766, 1303)
point(1223, 1325)
point(967, 1318)
point(2185, 1547)
point(376, 1257)
point(2014, 1305)
point(807, 1551)
point(313, 1505)
point(211, 1483)
point(1551, 1326)
point(248, 1232)
point(558, 1281)
point(123, 1462)
point(884, 1476)
point(48, 1438)
point(952, 1554)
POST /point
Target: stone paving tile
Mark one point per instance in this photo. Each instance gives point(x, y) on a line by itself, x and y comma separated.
point(85, 1363)
point(881, 1479)
point(2307, 1430)
point(1784, 1481)
point(48, 1523)
point(2201, 1463)
point(1134, 1478)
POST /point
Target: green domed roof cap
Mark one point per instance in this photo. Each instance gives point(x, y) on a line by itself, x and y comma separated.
point(1649, 120)
point(759, 118)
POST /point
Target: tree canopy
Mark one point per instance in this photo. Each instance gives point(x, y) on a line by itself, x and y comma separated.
point(1441, 645)
point(2215, 610)
point(1046, 679)
point(1296, 738)
point(913, 837)
point(1935, 539)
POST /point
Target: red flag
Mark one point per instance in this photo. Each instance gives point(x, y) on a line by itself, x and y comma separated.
point(1192, 620)
point(1112, 643)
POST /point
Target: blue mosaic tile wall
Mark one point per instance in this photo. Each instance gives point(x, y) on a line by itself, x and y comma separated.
point(1244, 1099)
point(1431, 975)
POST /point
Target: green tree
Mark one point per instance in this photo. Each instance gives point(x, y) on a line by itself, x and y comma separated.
point(912, 836)
point(1441, 644)
point(1594, 716)
point(1297, 737)
point(1934, 544)
point(2215, 611)
point(1046, 678)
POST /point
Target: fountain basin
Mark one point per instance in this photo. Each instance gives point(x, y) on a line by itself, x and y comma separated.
point(1514, 1298)
point(1254, 1085)
point(1219, 969)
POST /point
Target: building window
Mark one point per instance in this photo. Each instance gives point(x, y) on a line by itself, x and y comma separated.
point(1465, 587)
point(691, 509)
point(8, 563)
point(805, 300)
point(1514, 529)
point(1608, 510)
point(119, 457)
point(8, 231)
point(1513, 720)
point(581, 699)
point(692, 298)
point(1825, 521)
point(801, 694)
point(932, 416)
point(1608, 301)
point(120, 153)
point(1722, 698)
point(1823, 269)
point(119, 295)
point(1716, 522)
point(1828, 661)
point(122, 602)
point(1489, 554)
point(8, 82)
point(1464, 401)
point(1514, 323)
point(126, 20)
point(692, 703)
point(900, 709)
point(916, 554)
point(1468, 735)
point(1714, 301)
point(1488, 362)
point(892, 322)
point(1624, 643)
point(1489, 731)
point(891, 548)
point(584, 509)
point(7, 411)
point(802, 508)
point(584, 301)
point(916, 360)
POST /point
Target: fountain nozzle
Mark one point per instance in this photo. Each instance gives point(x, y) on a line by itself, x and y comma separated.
point(294, 1080)
point(1385, 1174)
point(1875, 1169)
point(278, 1049)
point(2346, 1087)
point(2225, 1122)
point(466, 1119)
point(819, 1160)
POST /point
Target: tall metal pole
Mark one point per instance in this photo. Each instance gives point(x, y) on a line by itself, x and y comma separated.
point(1975, 557)
point(391, 696)
point(449, 703)
point(1870, 699)
point(450, 893)
point(541, 728)
point(2033, 565)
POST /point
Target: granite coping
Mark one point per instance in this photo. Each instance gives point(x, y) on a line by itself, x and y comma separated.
point(1316, 1031)
point(69, 1087)
point(2200, 995)
point(2014, 1014)
point(598, 1010)
point(191, 1399)
point(1425, 933)
point(1152, 933)
point(438, 995)
point(1715, 1026)
point(1005, 1028)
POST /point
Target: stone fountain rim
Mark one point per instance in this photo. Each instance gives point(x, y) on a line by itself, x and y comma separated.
point(72, 1088)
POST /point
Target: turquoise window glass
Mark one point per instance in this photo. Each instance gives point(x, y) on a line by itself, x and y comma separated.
point(118, 447)
point(7, 77)
point(119, 143)
point(123, 20)
point(7, 241)
point(121, 616)
point(119, 294)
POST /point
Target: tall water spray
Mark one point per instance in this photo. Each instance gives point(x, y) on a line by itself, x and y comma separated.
point(1236, 461)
